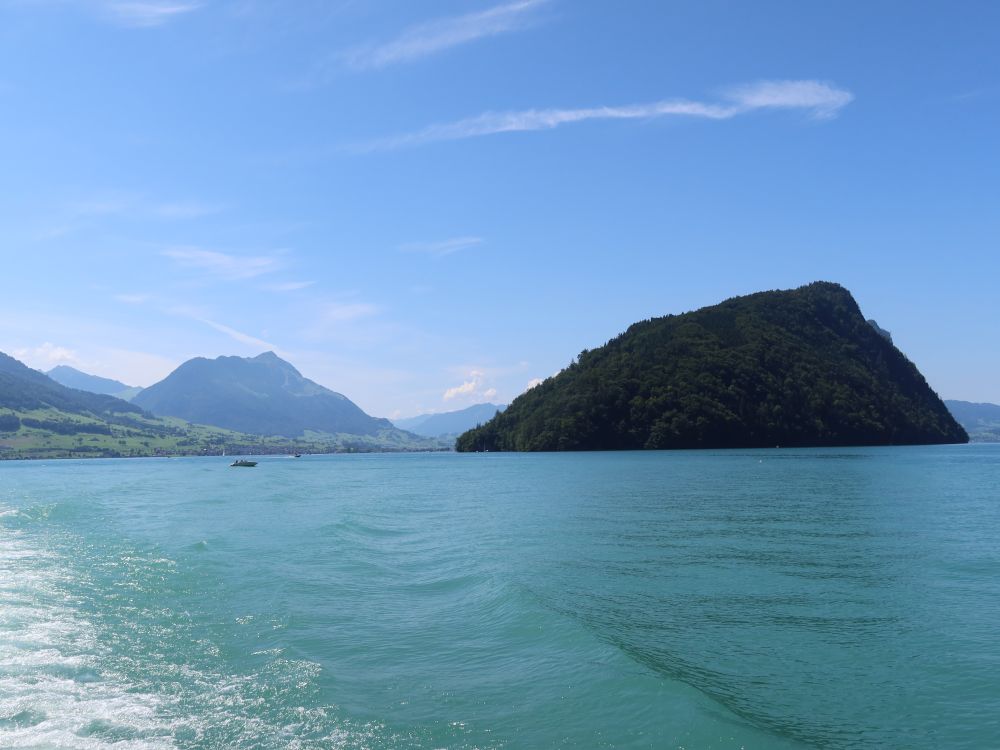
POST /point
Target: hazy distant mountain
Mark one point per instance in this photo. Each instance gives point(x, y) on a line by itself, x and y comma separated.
point(981, 421)
point(73, 378)
point(40, 418)
point(450, 422)
point(24, 389)
point(264, 396)
point(800, 367)
point(880, 330)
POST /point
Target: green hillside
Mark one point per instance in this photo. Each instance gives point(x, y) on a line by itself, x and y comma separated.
point(791, 368)
point(40, 418)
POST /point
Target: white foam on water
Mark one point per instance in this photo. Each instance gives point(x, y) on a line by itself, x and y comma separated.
point(52, 692)
point(61, 688)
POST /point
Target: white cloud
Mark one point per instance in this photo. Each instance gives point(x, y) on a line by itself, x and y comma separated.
point(442, 248)
point(533, 382)
point(145, 13)
point(820, 100)
point(46, 356)
point(475, 389)
point(442, 34)
point(222, 265)
point(464, 389)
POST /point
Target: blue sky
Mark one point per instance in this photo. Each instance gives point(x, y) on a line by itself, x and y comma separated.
point(426, 205)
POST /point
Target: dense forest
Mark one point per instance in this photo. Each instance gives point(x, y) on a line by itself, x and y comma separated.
point(790, 368)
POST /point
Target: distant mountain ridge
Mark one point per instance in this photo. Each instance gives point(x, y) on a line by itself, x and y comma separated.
point(262, 395)
point(450, 422)
point(798, 367)
point(981, 421)
point(74, 378)
point(22, 388)
point(40, 418)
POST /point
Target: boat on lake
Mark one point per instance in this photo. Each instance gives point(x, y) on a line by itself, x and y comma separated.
point(243, 462)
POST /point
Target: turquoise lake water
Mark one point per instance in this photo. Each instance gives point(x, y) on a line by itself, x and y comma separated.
point(844, 598)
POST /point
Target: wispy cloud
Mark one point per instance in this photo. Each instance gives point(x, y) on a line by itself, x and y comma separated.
point(129, 366)
point(46, 356)
point(980, 93)
point(144, 13)
point(288, 286)
point(223, 265)
point(132, 299)
point(243, 338)
point(93, 211)
point(341, 312)
point(107, 206)
point(202, 316)
point(183, 210)
point(131, 206)
point(820, 100)
point(349, 323)
point(442, 34)
point(442, 248)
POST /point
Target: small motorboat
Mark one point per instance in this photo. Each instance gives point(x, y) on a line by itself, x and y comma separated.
point(244, 463)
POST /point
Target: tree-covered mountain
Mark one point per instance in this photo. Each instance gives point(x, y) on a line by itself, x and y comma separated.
point(73, 378)
point(791, 368)
point(263, 395)
point(981, 421)
point(449, 422)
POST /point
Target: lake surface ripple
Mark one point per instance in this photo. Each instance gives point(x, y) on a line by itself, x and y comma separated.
point(845, 598)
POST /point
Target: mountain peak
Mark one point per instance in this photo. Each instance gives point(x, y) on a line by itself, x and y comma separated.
point(83, 381)
point(24, 388)
point(263, 395)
